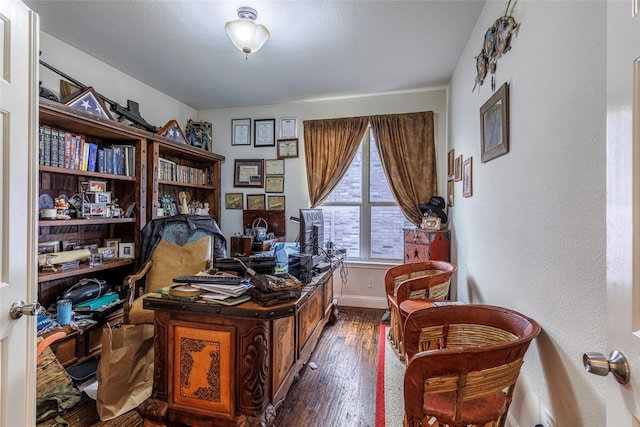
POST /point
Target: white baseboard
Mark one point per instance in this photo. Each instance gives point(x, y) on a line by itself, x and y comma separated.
point(360, 301)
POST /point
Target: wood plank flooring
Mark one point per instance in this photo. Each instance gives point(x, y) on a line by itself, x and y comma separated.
point(340, 392)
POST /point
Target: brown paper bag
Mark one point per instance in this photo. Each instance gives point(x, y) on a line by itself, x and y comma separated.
point(125, 370)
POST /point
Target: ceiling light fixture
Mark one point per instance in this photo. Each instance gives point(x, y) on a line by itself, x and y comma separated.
point(245, 34)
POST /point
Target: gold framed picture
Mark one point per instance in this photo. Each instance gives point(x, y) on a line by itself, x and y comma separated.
point(450, 164)
point(288, 148)
point(255, 201)
point(467, 177)
point(274, 184)
point(450, 189)
point(275, 203)
point(234, 200)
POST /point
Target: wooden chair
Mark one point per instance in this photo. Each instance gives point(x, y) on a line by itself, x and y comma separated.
point(463, 364)
point(170, 247)
point(398, 274)
point(422, 291)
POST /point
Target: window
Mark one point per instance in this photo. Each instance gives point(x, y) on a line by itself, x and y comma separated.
point(361, 214)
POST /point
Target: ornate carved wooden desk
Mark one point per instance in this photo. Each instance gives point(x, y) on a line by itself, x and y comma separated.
point(231, 366)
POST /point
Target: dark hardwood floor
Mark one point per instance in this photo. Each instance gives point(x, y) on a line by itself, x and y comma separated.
point(340, 392)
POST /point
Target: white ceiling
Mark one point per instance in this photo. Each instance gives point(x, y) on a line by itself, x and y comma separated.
point(318, 49)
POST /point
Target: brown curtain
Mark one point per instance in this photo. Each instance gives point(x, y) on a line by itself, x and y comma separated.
point(408, 155)
point(330, 146)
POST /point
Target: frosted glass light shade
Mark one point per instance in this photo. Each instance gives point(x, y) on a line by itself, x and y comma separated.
point(246, 35)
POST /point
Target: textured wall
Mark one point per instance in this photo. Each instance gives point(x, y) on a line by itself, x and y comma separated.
point(532, 237)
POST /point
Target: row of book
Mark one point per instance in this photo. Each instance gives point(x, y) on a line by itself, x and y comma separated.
point(69, 150)
point(170, 171)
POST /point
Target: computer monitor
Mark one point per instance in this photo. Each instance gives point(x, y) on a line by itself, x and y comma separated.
point(311, 231)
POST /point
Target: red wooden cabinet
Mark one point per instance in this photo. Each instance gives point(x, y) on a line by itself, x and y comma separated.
point(423, 245)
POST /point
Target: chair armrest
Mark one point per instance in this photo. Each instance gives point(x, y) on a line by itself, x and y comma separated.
point(129, 284)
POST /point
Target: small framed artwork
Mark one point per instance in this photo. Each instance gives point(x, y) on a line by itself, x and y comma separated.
point(111, 243)
point(249, 173)
point(108, 252)
point(450, 189)
point(97, 186)
point(234, 200)
point(274, 184)
point(494, 125)
point(255, 201)
point(450, 164)
point(48, 247)
point(127, 250)
point(98, 209)
point(288, 148)
point(288, 127)
point(130, 210)
point(457, 169)
point(264, 133)
point(275, 203)
point(240, 131)
point(274, 167)
point(467, 177)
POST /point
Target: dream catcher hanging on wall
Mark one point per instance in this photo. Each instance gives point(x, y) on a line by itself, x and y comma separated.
point(497, 42)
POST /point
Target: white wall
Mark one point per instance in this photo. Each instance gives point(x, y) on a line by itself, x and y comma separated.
point(532, 236)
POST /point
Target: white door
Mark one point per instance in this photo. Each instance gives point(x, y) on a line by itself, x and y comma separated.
point(623, 206)
point(18, 195)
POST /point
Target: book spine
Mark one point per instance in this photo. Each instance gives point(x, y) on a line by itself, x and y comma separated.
point(41, 146)
point(93, 153)
point(61, 135)
point(85, 155)
point(54, 147)
point(47, 146)
point(67, 149)
point(100, 162)
point(108, 159)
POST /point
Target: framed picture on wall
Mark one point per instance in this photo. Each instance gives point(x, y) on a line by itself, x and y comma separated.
point(467, 177)
point(450, 164)
point(457, 169)
point(234, 200)
point(249, 173)
point(274, 184)
point(450, 189)
point(255, 201)
point(264, 133)
point(494, 125)
point(241, 132)
point(275, 203)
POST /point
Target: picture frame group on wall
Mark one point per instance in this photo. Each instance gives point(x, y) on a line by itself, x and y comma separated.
point(241, 132)
point(494, 125)
point(264, 131)
point(249, 173)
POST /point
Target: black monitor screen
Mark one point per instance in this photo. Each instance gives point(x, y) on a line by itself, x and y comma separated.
point(311, 231)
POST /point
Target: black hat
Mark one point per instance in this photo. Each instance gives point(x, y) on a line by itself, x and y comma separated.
point(435, 207)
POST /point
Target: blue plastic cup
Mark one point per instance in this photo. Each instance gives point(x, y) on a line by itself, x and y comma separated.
point(64, 311)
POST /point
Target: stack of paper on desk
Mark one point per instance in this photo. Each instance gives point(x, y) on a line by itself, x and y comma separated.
point(213, 297)
point(224, 290)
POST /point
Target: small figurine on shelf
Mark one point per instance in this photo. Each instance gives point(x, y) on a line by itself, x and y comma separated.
point(205, 210)
point(185, 197)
